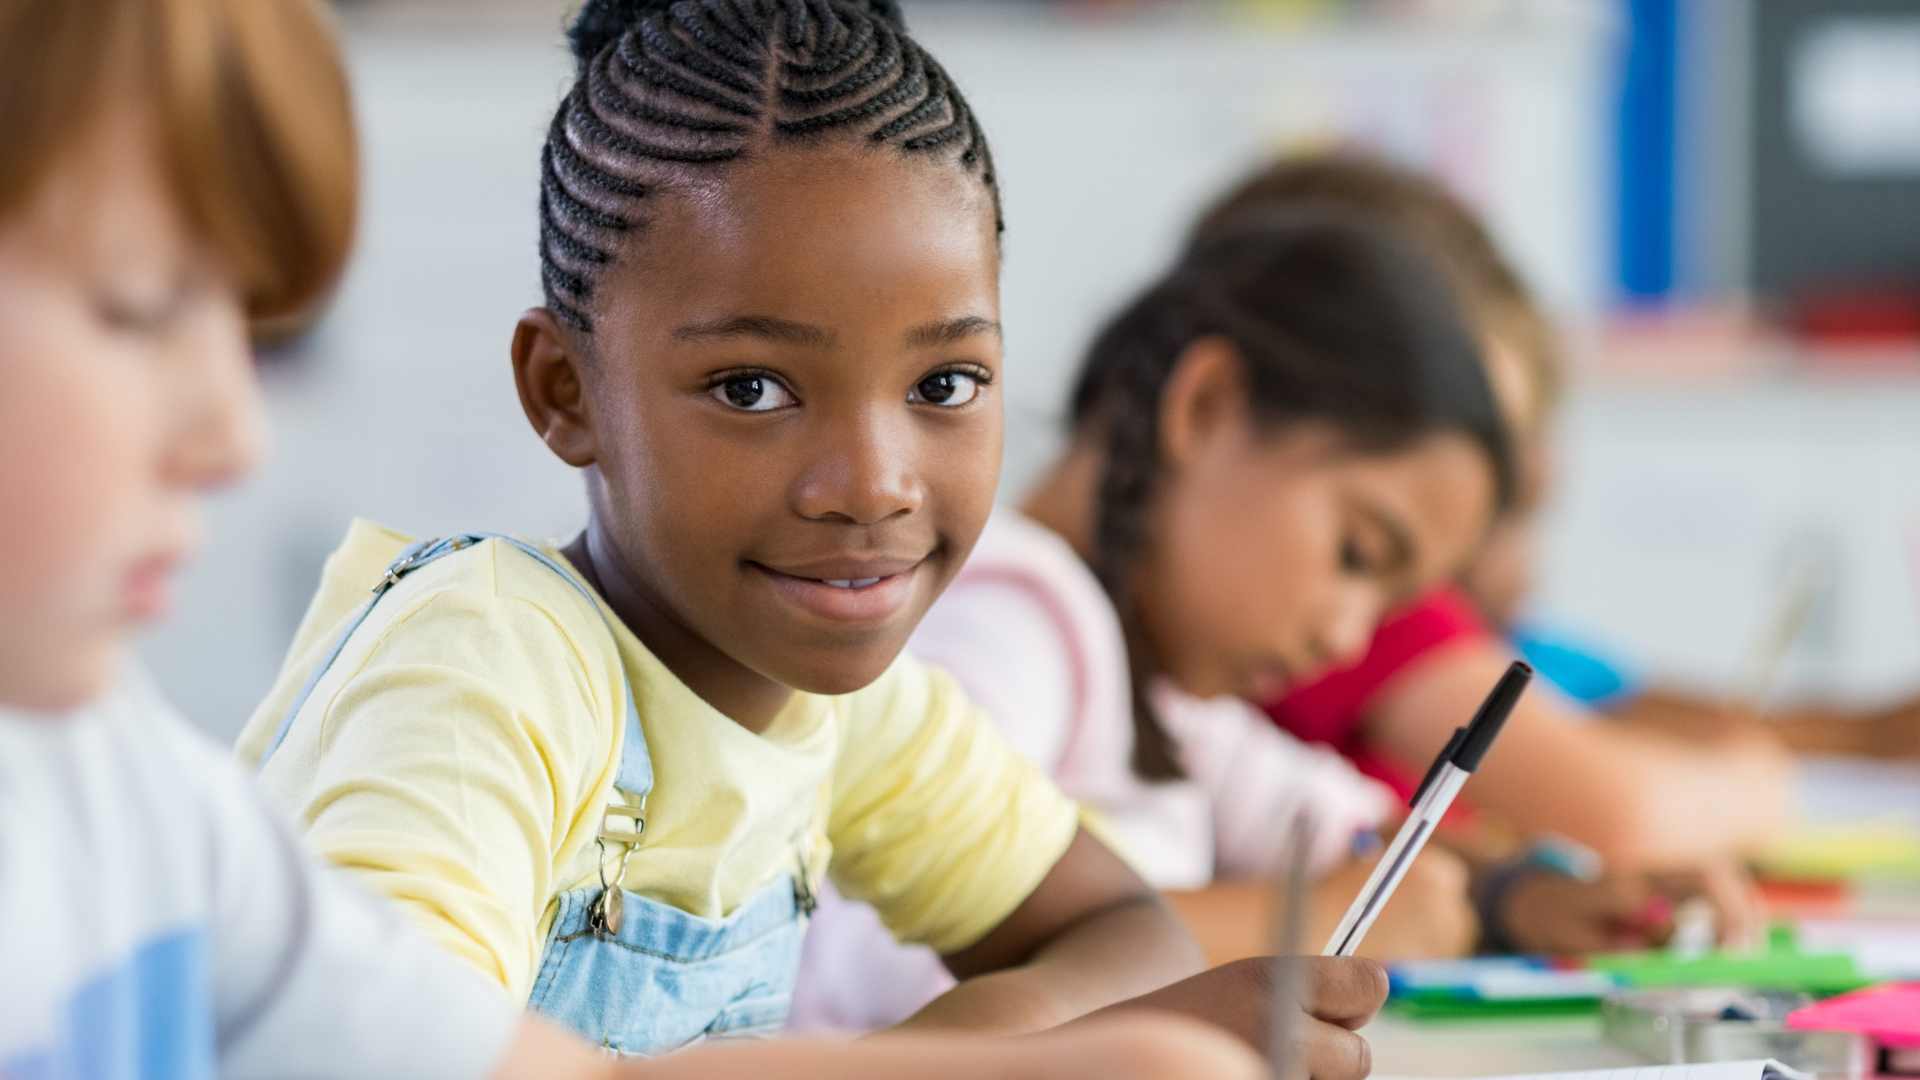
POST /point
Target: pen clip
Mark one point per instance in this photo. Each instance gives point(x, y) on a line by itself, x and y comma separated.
point(1433, 772)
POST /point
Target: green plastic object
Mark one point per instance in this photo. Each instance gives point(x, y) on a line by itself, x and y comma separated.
point(1441, 1007)
point(1820, 974)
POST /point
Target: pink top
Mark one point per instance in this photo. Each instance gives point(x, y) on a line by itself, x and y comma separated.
point(1030, 634)
point(1333, 708)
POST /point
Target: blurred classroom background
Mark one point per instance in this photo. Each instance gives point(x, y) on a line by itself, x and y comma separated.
point(1720, 199)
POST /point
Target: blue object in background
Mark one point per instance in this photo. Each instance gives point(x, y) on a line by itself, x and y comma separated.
point(1645, 161)
point(1581, 674)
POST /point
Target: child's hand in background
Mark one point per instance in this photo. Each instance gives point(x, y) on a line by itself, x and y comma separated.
point(1549, 913)
point(1895, 733)
point(1431, 915)
point(1339, 995)
point(1727, 889)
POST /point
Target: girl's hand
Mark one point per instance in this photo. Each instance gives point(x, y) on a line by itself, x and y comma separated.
point(1547, 913)
point(1431, 915)
point(1739, 917)
point(1142, 1047)
point(1338, 995)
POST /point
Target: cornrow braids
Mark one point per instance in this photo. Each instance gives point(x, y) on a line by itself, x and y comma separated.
point(672, 90)
point(1333, 321)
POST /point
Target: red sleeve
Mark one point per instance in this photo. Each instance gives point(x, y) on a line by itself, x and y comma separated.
point(1333, 708)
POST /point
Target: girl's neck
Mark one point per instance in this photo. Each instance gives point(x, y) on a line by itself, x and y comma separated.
point(1065, 498)
point(742, 695)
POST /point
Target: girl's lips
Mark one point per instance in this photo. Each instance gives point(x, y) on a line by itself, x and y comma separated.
point(850, 595)
point(147, 589)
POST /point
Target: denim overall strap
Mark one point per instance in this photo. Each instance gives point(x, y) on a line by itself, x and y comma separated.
point(634, 775)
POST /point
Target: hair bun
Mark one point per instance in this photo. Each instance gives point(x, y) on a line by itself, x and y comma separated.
point(888, 11)
point(599, 23)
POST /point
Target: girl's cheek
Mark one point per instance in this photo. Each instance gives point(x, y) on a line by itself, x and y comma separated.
point(1350, 629)
point(57, 578)
point(77, 473)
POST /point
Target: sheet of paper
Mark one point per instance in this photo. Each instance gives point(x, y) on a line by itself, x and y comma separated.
point(1725, 1070)
point(1881, 948)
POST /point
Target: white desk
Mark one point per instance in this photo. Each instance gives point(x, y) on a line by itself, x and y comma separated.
point(1451, 1048)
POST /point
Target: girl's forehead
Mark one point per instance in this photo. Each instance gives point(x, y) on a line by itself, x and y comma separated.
point(833, 198)
point(829, 230)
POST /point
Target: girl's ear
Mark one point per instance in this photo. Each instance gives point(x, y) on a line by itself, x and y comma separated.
point(1204, 401)
point(548, 376)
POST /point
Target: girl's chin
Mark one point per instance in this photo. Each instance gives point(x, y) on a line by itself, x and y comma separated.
point(79, 676)
point(844, 675)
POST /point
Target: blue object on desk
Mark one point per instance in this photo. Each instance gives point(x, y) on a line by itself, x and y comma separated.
point(1579, 672)
point(1499, 980)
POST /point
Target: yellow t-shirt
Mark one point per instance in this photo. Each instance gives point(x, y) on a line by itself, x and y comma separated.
point(458, 755)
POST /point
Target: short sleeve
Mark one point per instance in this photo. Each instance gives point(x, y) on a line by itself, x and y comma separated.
point(456, 771)
point(936, 821)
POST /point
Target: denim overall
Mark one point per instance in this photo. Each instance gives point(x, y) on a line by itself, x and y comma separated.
point(632, 974)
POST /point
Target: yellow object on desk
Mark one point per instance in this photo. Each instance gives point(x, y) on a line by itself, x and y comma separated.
point(1843, 852)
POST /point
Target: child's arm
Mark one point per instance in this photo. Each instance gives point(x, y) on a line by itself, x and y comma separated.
point(1092, 934)
point(1637, 798)
point(1550, 913)
point(1891, 731)
point(1431, 915)
point(960, 843)
point(1136, 1048)
point(1084, 956)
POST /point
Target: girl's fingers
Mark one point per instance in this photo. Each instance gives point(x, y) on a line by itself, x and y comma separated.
point(1344, 990)
point(1332, 1052)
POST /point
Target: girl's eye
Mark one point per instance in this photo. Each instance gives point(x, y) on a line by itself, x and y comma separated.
point(146, 312)
point(753, 393)
point(1353, 559)
point(950, 389)
point(128, 316)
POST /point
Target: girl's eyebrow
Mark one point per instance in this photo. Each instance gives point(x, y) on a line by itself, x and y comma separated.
point(950, 331)
point(784, 331)
point(788, 332)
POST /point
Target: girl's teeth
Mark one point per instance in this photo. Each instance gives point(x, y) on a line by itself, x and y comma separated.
point(853, 583)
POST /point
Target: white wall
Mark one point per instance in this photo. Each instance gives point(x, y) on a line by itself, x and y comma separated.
point(1686, 506)
point(1107, 137)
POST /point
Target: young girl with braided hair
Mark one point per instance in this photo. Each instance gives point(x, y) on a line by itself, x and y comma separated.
point(611, 774)
point(180, 174)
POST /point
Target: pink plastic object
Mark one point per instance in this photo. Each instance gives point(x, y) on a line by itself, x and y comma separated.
point(1889, 1015)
